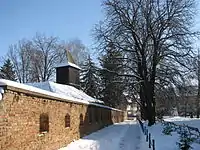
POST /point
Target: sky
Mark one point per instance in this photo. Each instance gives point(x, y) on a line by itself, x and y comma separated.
point(66, 19)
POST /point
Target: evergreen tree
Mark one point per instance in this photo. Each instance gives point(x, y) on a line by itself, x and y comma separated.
point(7, 71)
point(89, 78)
point(113, 86)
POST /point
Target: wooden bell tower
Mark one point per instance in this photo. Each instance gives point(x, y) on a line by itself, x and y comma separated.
point(68, 73)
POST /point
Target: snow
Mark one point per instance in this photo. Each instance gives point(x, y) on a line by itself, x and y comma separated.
point(1, 93)
point(68, 64)
point(4, 82)
point(192, 122)
point(65, 90)
point(1, 90)
point(160, 138)
point(55, 91)
point(121, 136)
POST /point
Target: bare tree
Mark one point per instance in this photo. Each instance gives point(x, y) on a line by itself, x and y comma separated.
point(49, 51)
point(196, 76)
point(34, 60)
point(156, 36)
point(19, 54)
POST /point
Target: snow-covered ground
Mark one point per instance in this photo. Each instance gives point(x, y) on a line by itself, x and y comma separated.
point(121, 136)
point(168, 142)
point(128, 136)
point(193, 122)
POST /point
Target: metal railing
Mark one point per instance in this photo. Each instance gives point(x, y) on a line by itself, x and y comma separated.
point(151, 142)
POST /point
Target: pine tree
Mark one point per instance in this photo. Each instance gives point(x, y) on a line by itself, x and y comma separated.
point(89, 78)
point(113, 86)
point(7, 71)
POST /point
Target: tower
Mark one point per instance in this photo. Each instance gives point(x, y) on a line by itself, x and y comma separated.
point(68, 73)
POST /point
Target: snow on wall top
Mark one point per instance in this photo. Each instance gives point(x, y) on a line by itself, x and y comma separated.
point(1, 92)
point(57, 91)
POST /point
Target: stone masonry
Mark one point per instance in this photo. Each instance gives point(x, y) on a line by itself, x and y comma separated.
point(19, 120)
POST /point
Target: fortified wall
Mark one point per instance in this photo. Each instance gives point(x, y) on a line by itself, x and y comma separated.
point(30, 120)
point(47, 116)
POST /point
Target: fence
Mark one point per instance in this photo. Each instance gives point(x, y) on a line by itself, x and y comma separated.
point(151, 142)
point(194, 132)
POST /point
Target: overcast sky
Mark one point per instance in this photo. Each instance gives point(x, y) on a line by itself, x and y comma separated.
point(66, 19)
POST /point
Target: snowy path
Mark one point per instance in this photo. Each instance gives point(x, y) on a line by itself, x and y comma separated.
point(133, 139)
point(121, 136)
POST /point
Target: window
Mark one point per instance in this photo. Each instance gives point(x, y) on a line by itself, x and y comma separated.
point(67, 120)
point(81, 119)
point(44, 123)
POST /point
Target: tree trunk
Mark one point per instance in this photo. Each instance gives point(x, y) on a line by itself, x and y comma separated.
point(149, 105)
point(197, 103)
point(185, 108)
point(148, 101)
point(198, 95)
point(143, 108)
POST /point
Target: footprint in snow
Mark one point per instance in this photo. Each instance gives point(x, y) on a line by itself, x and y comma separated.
point(137, 147)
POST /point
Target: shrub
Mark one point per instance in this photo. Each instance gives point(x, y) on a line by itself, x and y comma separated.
point(167, 130)
point(185, 140)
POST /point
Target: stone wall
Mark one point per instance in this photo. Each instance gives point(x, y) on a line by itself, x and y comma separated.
point(20, 123)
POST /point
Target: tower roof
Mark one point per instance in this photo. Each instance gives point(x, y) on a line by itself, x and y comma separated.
point(68, 64)
point(70, 61)
point(69, 57)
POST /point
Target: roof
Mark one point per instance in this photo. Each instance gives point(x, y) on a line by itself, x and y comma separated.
point(68, 64)
point(58, 91)
point(65, 90)
point(69, 57)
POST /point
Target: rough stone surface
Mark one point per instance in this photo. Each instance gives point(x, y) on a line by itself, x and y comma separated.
point(19, 122)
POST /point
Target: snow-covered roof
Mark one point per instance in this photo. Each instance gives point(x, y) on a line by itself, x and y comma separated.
point(65, 90)
point(68, 64)
point(55, 90)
